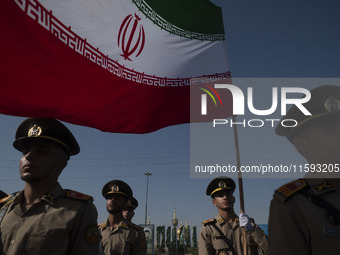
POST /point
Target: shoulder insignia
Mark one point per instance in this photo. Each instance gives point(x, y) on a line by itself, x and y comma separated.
point(323, 186)
point(3, 200)
point(292, 187)
point(6, 200)
point(92, 236)
point(209, 222)
point(77, 195)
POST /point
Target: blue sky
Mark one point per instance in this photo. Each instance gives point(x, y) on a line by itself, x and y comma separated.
point(265, 39)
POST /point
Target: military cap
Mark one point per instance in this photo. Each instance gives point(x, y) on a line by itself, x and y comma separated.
point(220, 183)
point(133, 203)
point(324, 103)
point(117, 187)
point(45, 129)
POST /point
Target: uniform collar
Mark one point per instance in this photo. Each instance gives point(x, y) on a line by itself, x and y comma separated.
point(49, 197)
point(221, 221)
point(122, 224)
point(54, 193)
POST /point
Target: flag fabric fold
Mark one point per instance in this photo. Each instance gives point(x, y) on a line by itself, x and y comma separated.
point(118, 66)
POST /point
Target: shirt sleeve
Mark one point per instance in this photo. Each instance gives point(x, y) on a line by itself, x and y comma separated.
point(205, 246)
point(140, 247)
point(261, 239)
point(287, 234)
point(85, 235)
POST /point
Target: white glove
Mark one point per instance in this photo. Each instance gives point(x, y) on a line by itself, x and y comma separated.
point(245, 222)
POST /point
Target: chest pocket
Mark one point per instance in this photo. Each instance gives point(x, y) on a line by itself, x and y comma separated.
point(123, 248)
point(50, 242)
point(220, 245)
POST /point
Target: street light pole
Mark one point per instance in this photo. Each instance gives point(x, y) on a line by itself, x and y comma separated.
point(147, 188)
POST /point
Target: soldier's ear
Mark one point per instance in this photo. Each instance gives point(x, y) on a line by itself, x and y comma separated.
point(213, 201)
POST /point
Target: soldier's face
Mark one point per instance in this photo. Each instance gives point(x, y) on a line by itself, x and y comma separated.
point(320, 142)
point(128, 213)
point(41, 161)
point(115, 203)
point(224, 200)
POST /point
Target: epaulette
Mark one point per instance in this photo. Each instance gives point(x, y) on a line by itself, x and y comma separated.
point(77, 196)
point(134, 225)
point(9, 199)
point(6, 200)
point(292, 188)
point(209, 222)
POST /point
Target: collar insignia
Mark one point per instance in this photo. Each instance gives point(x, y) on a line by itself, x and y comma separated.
point(332, 105)
point(49, 197)
point(322, 187)
point(34, 131)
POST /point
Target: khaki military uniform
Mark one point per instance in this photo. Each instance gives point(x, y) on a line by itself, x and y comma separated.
point(211, 241)
point(125, 239)
point(297, 225)
point(63, 222)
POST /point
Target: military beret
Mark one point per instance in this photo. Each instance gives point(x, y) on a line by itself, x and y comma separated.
point(133, 203)
point(220, 183)
point(324, 103)
point(45, 129)
point(117, 187)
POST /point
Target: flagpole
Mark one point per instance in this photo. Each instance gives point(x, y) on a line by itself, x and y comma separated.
point(240, 182)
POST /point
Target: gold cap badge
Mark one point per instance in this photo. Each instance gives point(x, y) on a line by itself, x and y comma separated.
point(332, 105)
point(114, 188)
point(222, 185)
point(34, 131)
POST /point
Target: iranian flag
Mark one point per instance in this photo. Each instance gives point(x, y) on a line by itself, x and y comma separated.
point(116, 65)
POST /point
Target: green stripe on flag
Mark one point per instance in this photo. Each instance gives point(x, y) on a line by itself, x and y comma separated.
point(193, 19)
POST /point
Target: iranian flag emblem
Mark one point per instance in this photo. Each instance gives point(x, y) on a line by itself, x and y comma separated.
point(116, 65)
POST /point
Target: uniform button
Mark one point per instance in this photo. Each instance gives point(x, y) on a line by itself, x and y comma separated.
point(12, 242)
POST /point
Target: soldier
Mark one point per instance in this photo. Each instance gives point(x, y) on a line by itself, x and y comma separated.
point(304, 214)
point(44, 218)
point(129, 209)
point(118, 235)
point(223, 235)
point(129, 213)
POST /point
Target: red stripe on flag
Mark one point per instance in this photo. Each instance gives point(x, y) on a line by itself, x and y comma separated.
point(42, 77)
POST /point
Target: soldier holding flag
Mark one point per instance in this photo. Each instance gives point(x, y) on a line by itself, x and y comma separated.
point(222, 235)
